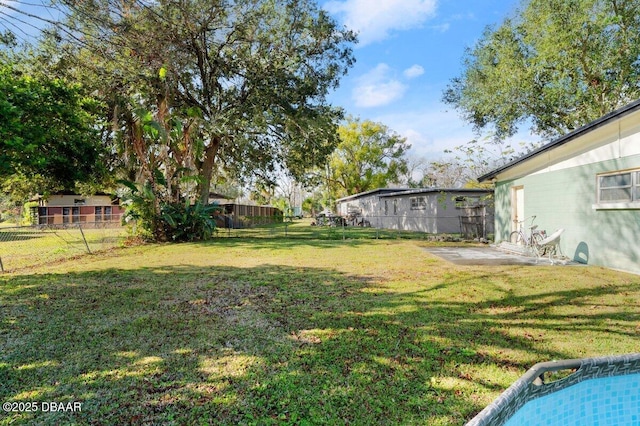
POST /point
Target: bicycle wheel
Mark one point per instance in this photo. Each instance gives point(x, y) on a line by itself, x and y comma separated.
point(515, 238)
point(536, 239)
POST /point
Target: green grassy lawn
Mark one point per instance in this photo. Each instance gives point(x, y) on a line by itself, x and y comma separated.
point(301, 229)
point(291, 331)
point(22, 247)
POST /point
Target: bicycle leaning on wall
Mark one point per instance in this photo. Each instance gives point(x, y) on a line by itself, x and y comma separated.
point(520, 237)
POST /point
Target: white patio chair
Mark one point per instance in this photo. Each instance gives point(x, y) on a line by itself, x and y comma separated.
point(549, 245)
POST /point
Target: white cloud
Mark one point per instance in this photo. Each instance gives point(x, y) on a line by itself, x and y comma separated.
point(413, 71)
point(432, 129)
point(442, 28)
point(429, 130)
point(375, 20)
point(377, 88)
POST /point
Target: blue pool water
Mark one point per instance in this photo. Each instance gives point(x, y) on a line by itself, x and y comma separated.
point(607, 401)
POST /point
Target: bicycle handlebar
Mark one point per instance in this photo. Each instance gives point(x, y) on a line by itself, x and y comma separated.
point(532, 217)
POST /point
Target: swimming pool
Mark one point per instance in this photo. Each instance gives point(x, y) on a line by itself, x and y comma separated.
point(600, 392)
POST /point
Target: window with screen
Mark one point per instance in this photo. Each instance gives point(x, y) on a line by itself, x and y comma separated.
point(619, 187)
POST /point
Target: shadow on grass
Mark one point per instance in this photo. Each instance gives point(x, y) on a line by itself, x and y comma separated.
point(11, 236)
point(285, 243)
point(270, 345)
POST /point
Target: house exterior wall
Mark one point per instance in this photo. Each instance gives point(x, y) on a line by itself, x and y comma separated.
point(368, 203)
point(400, 216)
point(440, 214)
point(74, 200)
point(62, 209)
point(435, 217)
point(368, 206)
point(562, 193)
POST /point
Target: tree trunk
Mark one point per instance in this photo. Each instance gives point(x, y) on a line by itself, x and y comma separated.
point(206, 171)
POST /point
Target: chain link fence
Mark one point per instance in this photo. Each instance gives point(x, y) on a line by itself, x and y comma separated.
point(29, 246)
point(449, 228)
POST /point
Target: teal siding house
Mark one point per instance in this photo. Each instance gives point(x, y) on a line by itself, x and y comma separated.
point(586, 182)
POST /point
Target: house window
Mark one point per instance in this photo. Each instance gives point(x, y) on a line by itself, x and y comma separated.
point(386, 207)
point(418, 203)
point(107, 213)
point(619, 190)
point(395, 206)
point(98, 214)
point(75, 211)
point(42, 216)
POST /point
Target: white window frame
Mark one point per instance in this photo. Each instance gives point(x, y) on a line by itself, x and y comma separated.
point(418, 203)
point(632, 203)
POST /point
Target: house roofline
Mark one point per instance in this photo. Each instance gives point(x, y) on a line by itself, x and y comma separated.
point(39, 197)
point(620, 112)
point(436, 190)
point(391, 192)
point(365, 193)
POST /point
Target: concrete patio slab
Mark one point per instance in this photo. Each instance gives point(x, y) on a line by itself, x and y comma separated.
point(488, 255)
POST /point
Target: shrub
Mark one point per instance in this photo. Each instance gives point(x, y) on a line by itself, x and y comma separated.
point(159, 220)
point(188, 222)
point(140, 210)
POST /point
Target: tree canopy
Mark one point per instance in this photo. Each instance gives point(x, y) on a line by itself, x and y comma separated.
point(369, 156)
point(557, 64)
point(241, 84)
point(47, 130)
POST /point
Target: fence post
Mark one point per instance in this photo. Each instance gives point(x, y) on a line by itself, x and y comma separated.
point(1, 266)
point(84, 239)
point(484, 222)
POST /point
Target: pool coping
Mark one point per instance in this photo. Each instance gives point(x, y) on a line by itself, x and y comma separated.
point(531, 385)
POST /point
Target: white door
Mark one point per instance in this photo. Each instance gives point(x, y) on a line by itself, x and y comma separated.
point(517, 207)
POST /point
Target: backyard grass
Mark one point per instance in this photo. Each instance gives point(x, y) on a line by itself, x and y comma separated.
point(302, 229)
point(286, 331)
point(33, 246)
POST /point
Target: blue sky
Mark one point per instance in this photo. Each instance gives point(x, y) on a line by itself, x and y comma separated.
point(408, 52)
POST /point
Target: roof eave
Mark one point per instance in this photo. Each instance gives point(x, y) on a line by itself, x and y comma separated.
point(620, 112)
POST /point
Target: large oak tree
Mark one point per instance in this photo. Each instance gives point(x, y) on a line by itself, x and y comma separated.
point(556, 64)
point(239, 84)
